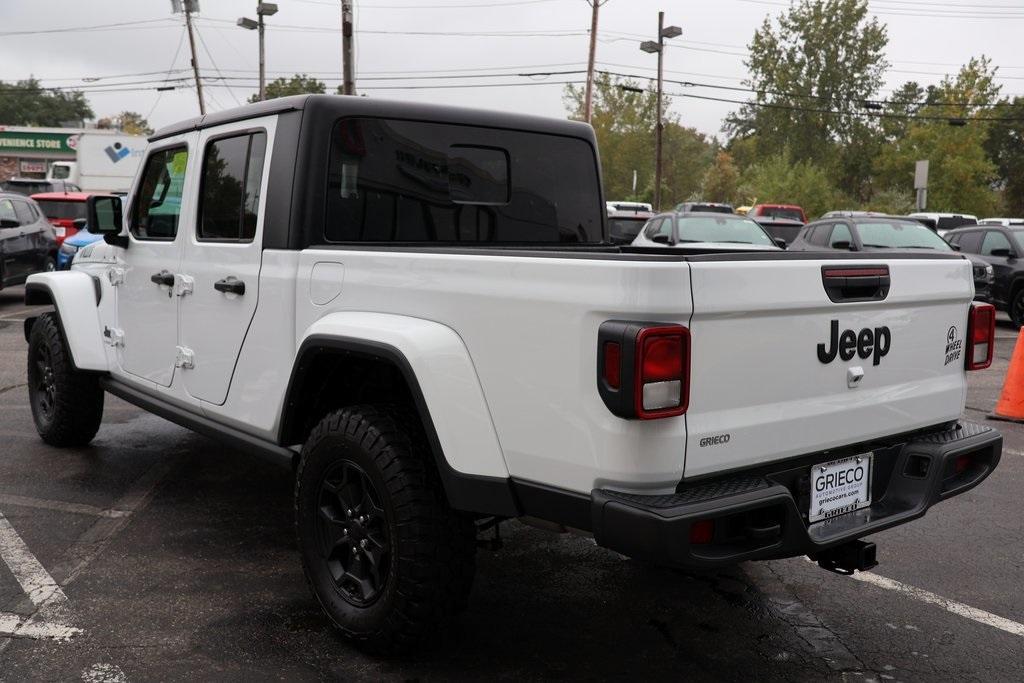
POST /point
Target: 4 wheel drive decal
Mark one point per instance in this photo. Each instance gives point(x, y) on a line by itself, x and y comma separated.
point(866, 343)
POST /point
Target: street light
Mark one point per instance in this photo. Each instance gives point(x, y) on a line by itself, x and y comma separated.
point(651, 47)
point(263, 9)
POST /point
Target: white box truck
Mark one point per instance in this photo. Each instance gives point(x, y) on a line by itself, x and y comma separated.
point(106, 162)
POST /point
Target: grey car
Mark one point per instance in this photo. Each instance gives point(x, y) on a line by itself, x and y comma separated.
point(28, 243)
point(873, 231)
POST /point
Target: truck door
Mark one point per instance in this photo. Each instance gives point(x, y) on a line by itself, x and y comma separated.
point(147, 299)
point(222, 254)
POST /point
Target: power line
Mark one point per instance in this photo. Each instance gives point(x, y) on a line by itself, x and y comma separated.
point(364, 6)
point(174, 59)
point(96, 27)
point(215, 67)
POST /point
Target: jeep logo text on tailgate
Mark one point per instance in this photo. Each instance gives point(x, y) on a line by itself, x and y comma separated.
point(866, 343)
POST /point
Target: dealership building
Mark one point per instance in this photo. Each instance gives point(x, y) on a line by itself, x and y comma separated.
point(27, 152)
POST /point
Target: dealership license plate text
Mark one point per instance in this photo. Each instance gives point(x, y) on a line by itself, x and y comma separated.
point(839, 487)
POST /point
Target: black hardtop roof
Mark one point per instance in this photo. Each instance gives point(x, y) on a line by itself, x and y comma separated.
point(347, 105)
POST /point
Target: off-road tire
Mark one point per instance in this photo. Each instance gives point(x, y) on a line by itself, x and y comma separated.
point(431, 561)
point(67, 404)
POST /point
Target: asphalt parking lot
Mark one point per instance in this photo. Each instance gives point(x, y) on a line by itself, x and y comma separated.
point(157, 554)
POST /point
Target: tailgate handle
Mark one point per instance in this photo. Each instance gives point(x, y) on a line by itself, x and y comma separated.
point(855, 283)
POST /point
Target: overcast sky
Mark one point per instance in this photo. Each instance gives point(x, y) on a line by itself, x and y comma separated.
point(926, 40)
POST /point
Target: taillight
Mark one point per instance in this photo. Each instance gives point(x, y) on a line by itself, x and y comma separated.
point(643, 368)
point(981, 336)
point(661, 386)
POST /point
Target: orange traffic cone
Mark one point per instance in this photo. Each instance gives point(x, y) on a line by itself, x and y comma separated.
point(1011, 401)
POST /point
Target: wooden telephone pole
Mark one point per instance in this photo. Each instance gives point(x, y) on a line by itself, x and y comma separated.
point(588, 98)
point(348, 85)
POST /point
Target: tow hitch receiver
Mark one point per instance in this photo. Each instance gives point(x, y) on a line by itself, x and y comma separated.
point(847, 558)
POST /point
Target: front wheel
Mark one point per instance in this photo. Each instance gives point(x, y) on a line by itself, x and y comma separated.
point(67, 405)
point(385, 556)
point(1017, 308)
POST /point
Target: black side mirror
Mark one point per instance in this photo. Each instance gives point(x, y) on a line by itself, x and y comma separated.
point(780, 243)
point(105, 218)
point(843, 244)
point(661, 239)
point(1006, 253)
point(9, 223)
point(79, 223)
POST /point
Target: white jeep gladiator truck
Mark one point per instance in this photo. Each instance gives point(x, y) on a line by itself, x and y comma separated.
point(418, 309)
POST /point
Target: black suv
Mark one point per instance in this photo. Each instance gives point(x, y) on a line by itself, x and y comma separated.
point(28, 243)
point(891, 233)
point(1000, 247)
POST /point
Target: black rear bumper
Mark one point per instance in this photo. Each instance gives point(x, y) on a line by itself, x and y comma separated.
point(764, 515)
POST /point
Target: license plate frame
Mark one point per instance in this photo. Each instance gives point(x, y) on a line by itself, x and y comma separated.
point(843, 492)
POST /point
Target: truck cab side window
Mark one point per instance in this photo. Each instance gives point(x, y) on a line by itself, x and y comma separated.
point(970, 242)
point(230, 191)
point(158, 203)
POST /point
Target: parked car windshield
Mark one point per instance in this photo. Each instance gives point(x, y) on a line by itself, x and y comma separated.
point(724, 228)
point(899, 235)
point(625, 228)
point(62, 209)
point(710, 208)
point(777, 212)
point(952, 222)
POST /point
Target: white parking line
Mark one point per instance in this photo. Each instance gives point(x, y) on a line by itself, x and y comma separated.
point(37, 583)
point(952, 606)
point(59, 506)
point(24, 627)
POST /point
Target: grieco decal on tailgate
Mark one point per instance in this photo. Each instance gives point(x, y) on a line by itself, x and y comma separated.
point(865, 343)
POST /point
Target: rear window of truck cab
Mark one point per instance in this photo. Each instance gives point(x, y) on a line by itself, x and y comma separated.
point(412, 181)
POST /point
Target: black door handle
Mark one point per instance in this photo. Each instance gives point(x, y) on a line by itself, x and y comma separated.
point(230, 284)
point(162, 278)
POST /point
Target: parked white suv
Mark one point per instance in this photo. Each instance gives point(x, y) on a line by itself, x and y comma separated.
point(418, 309)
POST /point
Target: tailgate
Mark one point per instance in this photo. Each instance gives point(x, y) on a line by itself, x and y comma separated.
point(762, 390)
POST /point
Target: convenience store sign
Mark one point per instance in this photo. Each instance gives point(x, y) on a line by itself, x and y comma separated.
point(13, 142)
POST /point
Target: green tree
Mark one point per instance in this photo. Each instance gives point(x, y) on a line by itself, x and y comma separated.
point(810, 70)
point(961, 175)
point(779, 179)
point(299, 84)
point(129, 122)
point(27, 103)
point(1005, 148)
point(721, 181)
point(623, 120)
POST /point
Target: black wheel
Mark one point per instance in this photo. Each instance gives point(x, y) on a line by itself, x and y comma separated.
point(1017, 308)
point(67, 405)
point(51, 264)
point(386, 557)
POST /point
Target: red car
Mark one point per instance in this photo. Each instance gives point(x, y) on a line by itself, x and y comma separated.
point(65, 210)
point(788, 211)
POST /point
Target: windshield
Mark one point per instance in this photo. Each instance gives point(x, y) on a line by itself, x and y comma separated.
point(952, 222)
point(898, 235)
point(60, 172)
point(25, 188)
point(777, 212)
point(723, 228)
point(710, 208)
point(625, 228)
point(62, 209)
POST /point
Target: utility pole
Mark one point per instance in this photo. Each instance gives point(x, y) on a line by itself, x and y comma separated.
point(191, 5)
point(347, 66)
point(588, 98)
point(659, 125)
